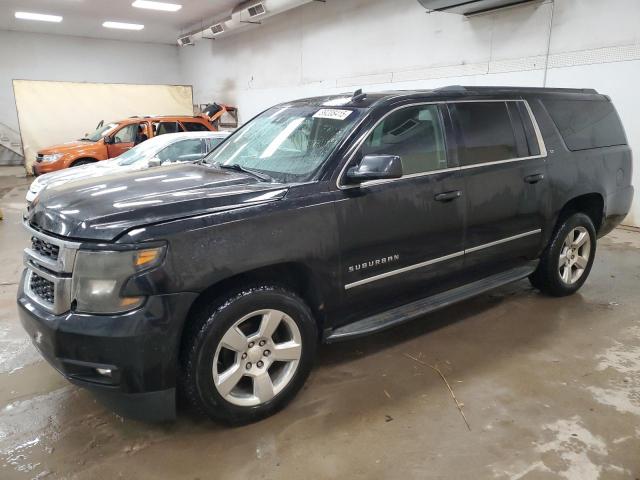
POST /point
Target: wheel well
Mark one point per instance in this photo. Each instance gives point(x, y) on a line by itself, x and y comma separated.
point(591, 204)
point(88, 159)
point(293, 276)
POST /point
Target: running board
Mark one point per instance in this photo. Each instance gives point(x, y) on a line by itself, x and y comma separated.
point(410, 311)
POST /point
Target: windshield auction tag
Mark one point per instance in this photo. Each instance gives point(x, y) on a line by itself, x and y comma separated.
point(332, 113)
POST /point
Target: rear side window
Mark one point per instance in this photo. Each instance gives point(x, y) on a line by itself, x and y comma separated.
point(586, 124)
point(194, 127)
point(487, 133)
point(213, 142)
point(166, 127)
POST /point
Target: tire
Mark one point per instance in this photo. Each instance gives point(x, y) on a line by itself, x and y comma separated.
point(566, 262)
point(79, 163)
point(224, 360)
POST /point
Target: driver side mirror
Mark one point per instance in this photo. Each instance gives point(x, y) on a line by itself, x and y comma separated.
point(154, 162)
point(108, 140)
point(375, 167)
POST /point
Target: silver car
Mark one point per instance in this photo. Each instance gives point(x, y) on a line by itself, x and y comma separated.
point(163, 149)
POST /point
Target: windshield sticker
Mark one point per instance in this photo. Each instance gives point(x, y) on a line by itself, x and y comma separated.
point(332, 113)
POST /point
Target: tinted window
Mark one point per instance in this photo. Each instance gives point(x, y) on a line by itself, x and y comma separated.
point(182, 151)
point(166, 127)
point(486, 130)
point(586, 124)
point(126, 134)
point(194, 127)
point(415, 135)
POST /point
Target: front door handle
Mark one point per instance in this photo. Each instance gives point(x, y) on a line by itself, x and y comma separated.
point(448, 196)
point(535, 178)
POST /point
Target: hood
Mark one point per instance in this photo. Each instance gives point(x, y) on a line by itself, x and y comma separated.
point(92, 170)
point(105, 207)
point(66, 147)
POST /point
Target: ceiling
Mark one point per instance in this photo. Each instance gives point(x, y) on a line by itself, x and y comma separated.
point(84, 18)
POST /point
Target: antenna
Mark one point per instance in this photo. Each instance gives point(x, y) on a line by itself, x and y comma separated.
point(358, 96)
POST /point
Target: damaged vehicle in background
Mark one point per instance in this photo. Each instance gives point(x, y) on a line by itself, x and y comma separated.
point(320, 220)
point(160, 150)
point(113, 139)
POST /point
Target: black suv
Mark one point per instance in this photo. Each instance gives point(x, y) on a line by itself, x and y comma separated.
point(319, 220)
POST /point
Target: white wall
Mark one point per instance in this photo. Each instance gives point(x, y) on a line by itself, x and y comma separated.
point(341, 45)
point(30, 56)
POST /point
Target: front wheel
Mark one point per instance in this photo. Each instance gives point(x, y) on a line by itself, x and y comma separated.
point(246, 358)
point(566, 262)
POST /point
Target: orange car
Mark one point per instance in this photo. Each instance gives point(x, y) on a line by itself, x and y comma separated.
point(112, 139)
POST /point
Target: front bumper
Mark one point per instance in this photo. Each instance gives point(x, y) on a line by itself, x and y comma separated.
point(140, 348)
point(40, 168)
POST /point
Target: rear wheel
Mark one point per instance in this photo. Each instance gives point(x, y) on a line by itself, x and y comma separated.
point(566, 262)
point(247, 358)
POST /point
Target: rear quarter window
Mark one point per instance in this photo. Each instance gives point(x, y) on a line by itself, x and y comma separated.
point(586, 124)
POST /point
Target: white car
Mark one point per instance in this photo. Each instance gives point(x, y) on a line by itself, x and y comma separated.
point(163, 149)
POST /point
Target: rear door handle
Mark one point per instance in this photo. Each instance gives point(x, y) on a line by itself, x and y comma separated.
point(535, 178)
point(448, 196)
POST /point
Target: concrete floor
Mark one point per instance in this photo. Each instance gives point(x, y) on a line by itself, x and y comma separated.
point(550, 387)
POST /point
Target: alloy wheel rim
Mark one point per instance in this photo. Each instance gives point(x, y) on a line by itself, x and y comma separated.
point(574, 255)
point(257, 357)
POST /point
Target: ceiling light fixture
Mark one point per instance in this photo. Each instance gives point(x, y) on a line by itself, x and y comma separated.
point(162, 6)
point(41, 17)
point(123, 26)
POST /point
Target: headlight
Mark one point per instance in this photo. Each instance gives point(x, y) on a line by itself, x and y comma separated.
point(51, 158)
point(98, 278)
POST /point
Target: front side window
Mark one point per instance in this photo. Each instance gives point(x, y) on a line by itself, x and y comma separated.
point(288, 143)
point(100, 132)
point(126, 134)
point(487, 134)
point(415, 135)
point(182, 151)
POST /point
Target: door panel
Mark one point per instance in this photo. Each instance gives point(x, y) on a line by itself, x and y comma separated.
point(123, 140)
point(397, 240)
point(506, 186)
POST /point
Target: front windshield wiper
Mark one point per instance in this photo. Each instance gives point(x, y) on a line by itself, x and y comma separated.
point(85, 138)
point(236, 166)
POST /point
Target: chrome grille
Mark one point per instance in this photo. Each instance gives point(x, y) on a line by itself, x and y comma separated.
point(45, 248)
point(49, 263)
point(42, 287)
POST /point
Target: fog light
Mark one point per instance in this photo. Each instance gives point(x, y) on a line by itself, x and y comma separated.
point(105, 372)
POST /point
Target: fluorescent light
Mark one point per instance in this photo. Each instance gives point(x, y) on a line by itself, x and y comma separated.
point(41, 17)
point(123, 26)
point(165, 7)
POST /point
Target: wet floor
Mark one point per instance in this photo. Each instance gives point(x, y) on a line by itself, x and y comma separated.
point(550, 388)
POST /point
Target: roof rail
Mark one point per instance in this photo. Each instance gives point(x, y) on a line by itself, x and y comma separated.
point(452, 88)
point(471, 89)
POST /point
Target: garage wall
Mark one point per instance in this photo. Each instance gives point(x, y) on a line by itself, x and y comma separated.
point(80, 117)
point(342, 45)
point(30, 56)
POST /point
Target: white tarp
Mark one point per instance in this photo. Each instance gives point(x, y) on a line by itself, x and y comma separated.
point(51, 113)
